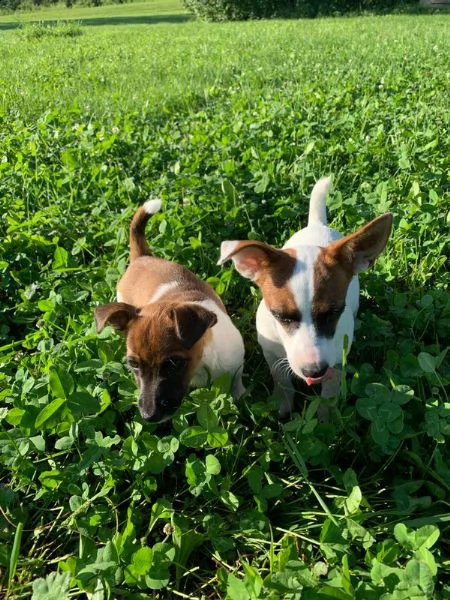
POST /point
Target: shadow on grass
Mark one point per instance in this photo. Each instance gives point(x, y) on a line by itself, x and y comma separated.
point(97, 21)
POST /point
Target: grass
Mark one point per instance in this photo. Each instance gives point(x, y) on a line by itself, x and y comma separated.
point(240, 119)
point(129, 69)
point(150, 9)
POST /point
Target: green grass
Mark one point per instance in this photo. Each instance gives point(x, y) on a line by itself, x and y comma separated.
point(129, 68)
point(147, 10)
point(240, 119)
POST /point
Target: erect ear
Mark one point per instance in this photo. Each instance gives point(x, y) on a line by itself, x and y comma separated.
point(117, 314)
point(191, 322)
point(359, 250)
point(251, 258)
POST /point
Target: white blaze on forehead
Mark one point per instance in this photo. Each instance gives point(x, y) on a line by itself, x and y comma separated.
point(302, 281)
point(303, 345)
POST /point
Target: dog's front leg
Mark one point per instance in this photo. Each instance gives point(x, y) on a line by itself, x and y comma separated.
point(283, 389)
point(238, 388)
point(331, 387)
point(275, 356)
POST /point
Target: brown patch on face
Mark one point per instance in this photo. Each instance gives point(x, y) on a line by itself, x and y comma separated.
point(331, 281)
point(274, 285)
point(161, 356)
point(154, 337)
point(271, 269)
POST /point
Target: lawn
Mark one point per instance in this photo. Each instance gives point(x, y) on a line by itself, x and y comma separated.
point(127, 102)
point(150, 11)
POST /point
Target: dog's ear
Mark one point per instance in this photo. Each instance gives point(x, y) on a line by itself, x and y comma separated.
point(117, 314)
point(360, 249)
point(191, 322)
point(251, 258)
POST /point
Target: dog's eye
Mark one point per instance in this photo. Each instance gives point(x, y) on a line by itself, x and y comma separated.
point(173, 365)
point(334, 312)
point(133, 364)
point(287, 318)
point(326, 321)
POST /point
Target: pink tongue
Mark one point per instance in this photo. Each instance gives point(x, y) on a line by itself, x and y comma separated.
point(327, 375)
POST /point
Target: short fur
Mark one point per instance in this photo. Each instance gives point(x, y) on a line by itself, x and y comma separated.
point(177, 329)
point(310, 295)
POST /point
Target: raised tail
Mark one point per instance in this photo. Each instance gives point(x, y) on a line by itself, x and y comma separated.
point(138, 243)
point(318, 202)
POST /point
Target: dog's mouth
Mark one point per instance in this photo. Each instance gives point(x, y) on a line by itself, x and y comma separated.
point(329, 374)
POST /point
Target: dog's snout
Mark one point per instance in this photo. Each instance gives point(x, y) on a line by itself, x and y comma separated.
point(314, 371)
point(147, 415)
point(158, 408)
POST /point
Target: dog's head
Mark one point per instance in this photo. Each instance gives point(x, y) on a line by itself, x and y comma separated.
point(305, 290)
point(164, 347)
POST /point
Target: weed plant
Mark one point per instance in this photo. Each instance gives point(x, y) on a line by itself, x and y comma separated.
point(42, 29)
point(230, 125)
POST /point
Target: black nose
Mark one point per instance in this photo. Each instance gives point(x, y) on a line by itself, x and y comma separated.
point(315, 371)
point(148, 416)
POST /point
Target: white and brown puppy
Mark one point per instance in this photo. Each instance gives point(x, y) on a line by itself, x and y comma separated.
point(310, 295)
point(177, 329)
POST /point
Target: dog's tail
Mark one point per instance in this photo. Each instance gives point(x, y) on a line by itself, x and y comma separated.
point(318, 202)
point(138, 243)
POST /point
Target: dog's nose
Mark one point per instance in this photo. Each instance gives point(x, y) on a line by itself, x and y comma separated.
point(147, 415)
point(314, 371)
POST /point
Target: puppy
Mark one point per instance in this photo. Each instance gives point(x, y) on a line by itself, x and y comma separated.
point(310, 295)
point(177, 330)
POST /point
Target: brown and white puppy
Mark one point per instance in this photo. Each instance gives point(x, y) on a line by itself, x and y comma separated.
point(177, 329)
point(310, 295)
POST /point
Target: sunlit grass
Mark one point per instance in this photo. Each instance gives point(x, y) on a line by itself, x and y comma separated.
point(128, 67)
point(141, 8)
point(230, 124)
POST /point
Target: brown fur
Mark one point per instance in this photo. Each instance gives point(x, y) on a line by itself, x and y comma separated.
point(166, 326)
point(274, 283)
point(152, 339)
point(331, 281)
point(138, 242)
point(359, 250)
point(270, 268)
point(146, 273)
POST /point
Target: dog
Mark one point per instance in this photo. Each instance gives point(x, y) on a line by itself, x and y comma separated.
point(310, 295)
point(178, 333)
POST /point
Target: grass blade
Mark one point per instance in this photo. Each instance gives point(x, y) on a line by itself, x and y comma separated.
point(15, 554)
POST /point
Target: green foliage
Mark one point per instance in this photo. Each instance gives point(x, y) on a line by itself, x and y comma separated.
point(225, 502)
point(229, 10)
point(42, 29)
point(28, 5)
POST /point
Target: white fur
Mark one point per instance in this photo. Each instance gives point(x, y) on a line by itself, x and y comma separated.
point(152, 206)
point(161, 290)
point(224, 352)
point(226, 248)
point(304, 346)
point(317, 203)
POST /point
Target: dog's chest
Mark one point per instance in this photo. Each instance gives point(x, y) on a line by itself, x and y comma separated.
point(223, 351)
